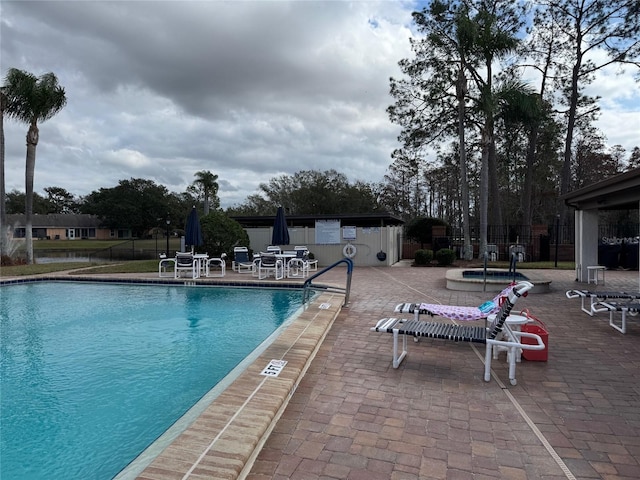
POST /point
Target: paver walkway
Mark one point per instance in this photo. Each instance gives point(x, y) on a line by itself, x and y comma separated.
point(355, 417)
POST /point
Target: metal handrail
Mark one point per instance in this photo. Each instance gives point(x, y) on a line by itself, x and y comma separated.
point(512, 265)
point(308, 285)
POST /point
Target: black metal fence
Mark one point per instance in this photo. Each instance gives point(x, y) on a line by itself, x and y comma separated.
point(129, 250)
point(534, 242)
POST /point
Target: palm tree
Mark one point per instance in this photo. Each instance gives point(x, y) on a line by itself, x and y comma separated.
point(206, 183)
point(30, 100)
point(489, 33)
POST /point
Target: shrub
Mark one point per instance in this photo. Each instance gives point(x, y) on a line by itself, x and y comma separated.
point(423, 257)
point(445, 256)
point(222, 233)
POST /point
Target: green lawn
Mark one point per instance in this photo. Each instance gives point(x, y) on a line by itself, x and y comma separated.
point(96, 245)
point(135, 266)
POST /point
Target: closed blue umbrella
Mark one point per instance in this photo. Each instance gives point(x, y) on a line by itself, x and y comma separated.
point(280, 231)
point(193, 231)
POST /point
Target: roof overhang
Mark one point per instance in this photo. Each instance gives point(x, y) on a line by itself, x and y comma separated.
point(621, 192)
point(354, 220)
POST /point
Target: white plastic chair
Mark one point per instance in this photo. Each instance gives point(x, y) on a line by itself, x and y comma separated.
point(163, 264)
point(298, 267)
point(312, 264)
point(241, 262)
point(185, 263)
point(269, 264)
point(216, 266)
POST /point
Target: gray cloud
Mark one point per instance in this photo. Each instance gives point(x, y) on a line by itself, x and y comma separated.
point(246, 89)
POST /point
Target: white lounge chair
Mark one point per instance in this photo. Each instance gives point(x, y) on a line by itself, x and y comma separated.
point(631, 308)
point(595, 297)
point(455, 312)
point(497, 334)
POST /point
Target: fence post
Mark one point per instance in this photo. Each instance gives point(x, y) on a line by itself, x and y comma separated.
point(557, 237)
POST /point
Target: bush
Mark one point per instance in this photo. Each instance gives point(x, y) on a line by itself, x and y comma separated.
point(445, 256)
point(423, 257)
point(221, 234)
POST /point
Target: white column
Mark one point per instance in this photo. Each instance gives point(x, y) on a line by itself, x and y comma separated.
point(586, 242)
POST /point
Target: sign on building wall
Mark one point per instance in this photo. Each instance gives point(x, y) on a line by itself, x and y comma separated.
point(349, 233)
point(327, 232)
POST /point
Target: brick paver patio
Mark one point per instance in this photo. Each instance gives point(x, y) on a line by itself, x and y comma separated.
point(355, 417)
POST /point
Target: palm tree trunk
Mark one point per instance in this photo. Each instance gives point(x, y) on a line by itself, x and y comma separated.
point(494, 188)
point(528, 176)
point(484, 190)
point(461, 90)
point(3, 205)
point(32, 143)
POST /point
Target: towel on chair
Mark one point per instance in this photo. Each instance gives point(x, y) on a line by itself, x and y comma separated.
point(466, 314)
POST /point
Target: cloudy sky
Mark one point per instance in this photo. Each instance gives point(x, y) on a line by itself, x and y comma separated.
point(246, 89)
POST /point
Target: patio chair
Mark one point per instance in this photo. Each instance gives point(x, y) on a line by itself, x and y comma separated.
point(241, 262)
point(520, 251)
point(216, 266)
point(274, 249)
point(312, 264)
point(164, 264)
point(298, 267)
point(185, 263)
point(270, 265)
point(596, 297)
point(455, 312)
point(631, 308)
point(492, 252)
point(496, 334)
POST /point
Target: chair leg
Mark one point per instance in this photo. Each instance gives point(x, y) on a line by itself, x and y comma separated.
point(590, 311)
point(511, 358)
point(397, 359)
point(622, 328)
point(487, 361)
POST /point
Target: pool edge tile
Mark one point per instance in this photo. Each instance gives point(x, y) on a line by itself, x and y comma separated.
point(249, 425)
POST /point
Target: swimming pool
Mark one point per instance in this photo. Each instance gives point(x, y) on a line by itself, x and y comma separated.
point(93, 373)
point(500, 275)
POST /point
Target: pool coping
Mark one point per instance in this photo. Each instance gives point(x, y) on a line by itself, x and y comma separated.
point(225, 439)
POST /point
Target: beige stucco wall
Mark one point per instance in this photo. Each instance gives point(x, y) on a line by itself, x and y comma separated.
point(369, 241)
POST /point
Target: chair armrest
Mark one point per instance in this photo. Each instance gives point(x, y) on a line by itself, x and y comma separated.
point(599, 307)
point(539, 345)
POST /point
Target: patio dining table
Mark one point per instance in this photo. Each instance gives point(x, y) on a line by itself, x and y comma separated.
point(201, 263)
point(284, 257)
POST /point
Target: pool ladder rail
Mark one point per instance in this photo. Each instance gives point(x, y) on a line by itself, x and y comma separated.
point(512, 267)
point(346, 291)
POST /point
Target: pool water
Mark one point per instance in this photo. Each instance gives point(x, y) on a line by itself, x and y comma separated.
point(91, 374)
point(494, 274)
